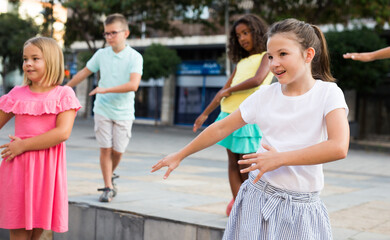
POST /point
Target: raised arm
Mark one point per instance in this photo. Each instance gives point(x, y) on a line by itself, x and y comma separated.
point(256, 80)
point(334, 148)
point(80, 76)
point(369, 56)
point(131, 86)
point(211, 135)
point(60, 133)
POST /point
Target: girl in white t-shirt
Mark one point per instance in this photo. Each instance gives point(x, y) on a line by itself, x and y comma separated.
point(304, 122)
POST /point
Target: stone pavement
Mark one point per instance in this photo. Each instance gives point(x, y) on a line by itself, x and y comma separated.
point(357, 190)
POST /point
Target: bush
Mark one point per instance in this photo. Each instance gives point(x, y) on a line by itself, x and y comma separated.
point(364, 77)
point(159, 61)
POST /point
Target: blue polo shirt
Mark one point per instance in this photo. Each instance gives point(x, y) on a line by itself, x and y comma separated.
point(115, 69)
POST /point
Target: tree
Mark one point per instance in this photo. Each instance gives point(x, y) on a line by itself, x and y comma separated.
point(14, 31)
point(361, 76)
point(364, 77)
point(315, 12)
point(159, 61)
point(86, 19)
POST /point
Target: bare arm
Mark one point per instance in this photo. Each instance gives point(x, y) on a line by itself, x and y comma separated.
point(60, 133)
point(227, 90)
point(334, 148)
point(369, 56)
point(80, 76)
point(213, 104)
point(4, 118)
point(211, 135)
point(256, 80)
point(131, 86)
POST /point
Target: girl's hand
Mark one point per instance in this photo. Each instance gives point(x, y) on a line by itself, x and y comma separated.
point(97, 90)
point(265, 162)
point(223, 93)
point(12, 149)
point(171, 161)
point(199, 122)
point(363, 57)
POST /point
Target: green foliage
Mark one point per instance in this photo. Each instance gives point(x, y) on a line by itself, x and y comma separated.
point(159, 61)
point(315, 12)
point(86, 21)
point(82, 59)
point(362, 76)
point(14, 31)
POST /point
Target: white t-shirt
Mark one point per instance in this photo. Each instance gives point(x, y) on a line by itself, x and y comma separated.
point(292, 123)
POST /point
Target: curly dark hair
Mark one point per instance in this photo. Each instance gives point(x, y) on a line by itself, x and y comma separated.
point(258, 29)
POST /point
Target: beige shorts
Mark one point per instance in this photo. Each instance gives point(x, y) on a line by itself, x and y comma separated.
point(114, 134)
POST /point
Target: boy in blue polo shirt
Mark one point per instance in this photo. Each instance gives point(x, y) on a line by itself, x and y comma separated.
point(120, 74)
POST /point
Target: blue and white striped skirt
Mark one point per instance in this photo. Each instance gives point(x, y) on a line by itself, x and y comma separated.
point(264, 212)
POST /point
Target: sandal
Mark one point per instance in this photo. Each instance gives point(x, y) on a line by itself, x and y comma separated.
point(107, 195)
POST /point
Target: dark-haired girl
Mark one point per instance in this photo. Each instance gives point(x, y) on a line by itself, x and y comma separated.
point(247, 49)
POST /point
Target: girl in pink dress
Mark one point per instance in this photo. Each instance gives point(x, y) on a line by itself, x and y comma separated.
point(33, 168)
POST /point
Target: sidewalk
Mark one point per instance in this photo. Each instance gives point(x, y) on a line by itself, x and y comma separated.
point(356, 191)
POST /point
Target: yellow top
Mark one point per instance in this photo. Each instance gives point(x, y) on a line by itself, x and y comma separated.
point(246, 68)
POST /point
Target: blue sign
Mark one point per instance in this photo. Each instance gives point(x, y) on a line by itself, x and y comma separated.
point(73, 69)
point(199, 68)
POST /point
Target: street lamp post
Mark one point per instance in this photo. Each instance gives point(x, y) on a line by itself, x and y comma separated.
point(227, 63)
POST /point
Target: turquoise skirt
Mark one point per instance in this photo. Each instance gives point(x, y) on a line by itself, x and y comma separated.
point(242, 141)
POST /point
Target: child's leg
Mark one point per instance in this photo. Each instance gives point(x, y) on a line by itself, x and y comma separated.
point(235, 177)
point(244, 176)
point(23, 234)
point(116, 158)
point(19, 234)
point(106, 164)
point(36, 233)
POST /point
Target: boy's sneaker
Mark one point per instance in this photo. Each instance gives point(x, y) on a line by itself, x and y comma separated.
point(107, 195)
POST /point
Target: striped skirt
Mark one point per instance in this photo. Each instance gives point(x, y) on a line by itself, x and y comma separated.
point(264, 212)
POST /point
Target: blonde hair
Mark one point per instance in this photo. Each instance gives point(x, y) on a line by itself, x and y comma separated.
point(54, 60)
point(117, 17)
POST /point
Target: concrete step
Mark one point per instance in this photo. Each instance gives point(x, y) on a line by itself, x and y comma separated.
point(99, 223)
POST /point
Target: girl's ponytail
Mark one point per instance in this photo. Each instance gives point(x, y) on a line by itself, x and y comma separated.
point(321, 67)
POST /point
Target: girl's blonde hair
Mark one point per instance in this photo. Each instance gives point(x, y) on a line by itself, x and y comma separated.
point(308, 35)
point(54, 60)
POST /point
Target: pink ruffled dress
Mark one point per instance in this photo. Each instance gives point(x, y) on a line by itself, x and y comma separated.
point(34, 184)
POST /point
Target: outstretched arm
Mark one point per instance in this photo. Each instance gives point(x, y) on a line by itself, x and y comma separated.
point(80, 76)
point(131, 86)
point(60, 133)
point(369, 56)
point(211, 135)
point(334, 148)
